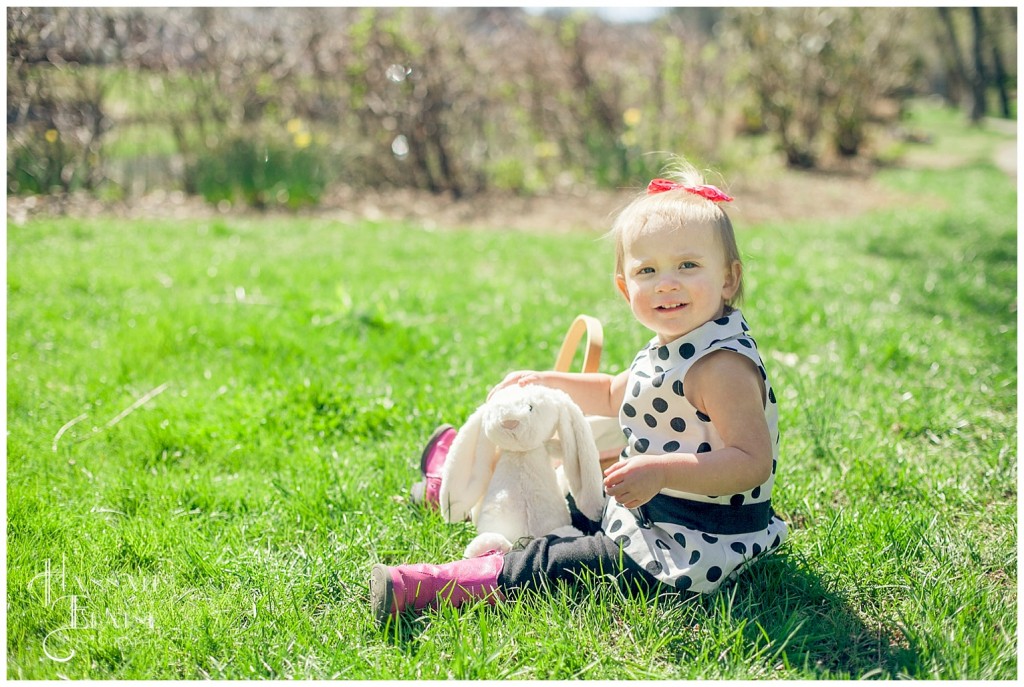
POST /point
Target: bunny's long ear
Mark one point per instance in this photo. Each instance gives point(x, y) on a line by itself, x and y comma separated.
point(467, 470)
point(581, 462)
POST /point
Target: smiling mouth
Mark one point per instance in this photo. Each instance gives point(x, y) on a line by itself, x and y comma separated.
point(671, 306)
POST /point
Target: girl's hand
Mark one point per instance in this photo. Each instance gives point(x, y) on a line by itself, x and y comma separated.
point(521, 378)
point(595, 393)
point(634, 482)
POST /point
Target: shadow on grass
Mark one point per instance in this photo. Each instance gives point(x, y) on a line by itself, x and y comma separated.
point(787, 615)
point(815, 627)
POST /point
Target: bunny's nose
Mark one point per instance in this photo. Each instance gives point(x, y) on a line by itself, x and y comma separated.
point(510, 424)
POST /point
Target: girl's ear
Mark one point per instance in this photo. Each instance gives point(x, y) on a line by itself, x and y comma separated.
point(733, 275)
point(620, 284)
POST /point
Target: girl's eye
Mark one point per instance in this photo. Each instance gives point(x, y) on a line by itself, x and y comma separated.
point(689, 265)
point(645, 270)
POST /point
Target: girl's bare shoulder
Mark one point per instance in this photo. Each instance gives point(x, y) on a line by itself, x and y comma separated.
point(721, 372)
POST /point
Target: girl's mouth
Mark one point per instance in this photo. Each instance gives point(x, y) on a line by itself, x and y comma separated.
point(669, 307)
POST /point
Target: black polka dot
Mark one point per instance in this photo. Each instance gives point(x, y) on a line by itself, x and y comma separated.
point(660, 404)
point(627, 431)
point(764, 375)
point(659, 368)
point(736, 500)
point(709, 538)
point(684, 583)
point(721, 321)
point(702, 417)
point(625, 453)
point(663, 352)
point(680, 539)
point(641, 445)
point(658, 381)
point(695, 556)
point(744, 326)
point(636, 389)
point(642, 374)
point(705, 447)
point(661, 545)
point(777, 541)
point(744, 343)
point(622, 541)
point(671, 447)
point(654, 567)
point(687, 350)
point(755, 493)
point(755, 549)
point(714, 573)
point(650, 420)
point(678, 424)
point(775, 464)
point(771, 395)
point(628, 410)
point(739, 547)
point(616, 526)
point(677, 387)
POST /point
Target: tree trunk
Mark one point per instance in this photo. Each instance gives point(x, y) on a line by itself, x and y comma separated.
point(958, 69)
point(978, 80)
point(1001, 79)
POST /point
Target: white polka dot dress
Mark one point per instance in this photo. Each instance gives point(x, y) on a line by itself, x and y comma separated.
point(689, 541)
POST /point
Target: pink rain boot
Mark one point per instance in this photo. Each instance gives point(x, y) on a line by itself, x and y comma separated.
point(431, 464)
point(416, 587)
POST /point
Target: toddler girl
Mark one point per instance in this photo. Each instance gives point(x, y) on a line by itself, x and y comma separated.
point(690, 496)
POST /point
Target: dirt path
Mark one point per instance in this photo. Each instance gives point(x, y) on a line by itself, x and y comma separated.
point(782, 197)
point(1006, 159)
point(1005, 155)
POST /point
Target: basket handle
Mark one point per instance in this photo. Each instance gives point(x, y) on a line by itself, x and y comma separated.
point(583, 324)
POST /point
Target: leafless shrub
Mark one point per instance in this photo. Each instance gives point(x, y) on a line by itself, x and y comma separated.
point(451, 100)
point(819, 72)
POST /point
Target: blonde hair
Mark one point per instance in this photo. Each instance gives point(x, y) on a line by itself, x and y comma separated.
point(675, 208)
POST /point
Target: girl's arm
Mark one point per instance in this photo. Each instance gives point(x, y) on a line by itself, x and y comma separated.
point(726, 387)
point(595, 393)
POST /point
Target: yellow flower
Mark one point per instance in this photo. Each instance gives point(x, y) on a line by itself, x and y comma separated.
point(546, 149)
point(51, 135)
point(294, 126)
point(632, 116)
point(302, 139)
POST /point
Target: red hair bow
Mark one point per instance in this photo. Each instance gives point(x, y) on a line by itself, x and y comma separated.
point(712, 193)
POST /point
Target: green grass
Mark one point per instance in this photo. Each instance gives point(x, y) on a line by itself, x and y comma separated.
point(953, 143)
point(226, 527)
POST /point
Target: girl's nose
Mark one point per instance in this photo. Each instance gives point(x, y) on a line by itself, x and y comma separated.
point(667, 284)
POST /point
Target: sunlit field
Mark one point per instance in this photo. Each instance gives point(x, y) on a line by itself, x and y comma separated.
point(213, 424)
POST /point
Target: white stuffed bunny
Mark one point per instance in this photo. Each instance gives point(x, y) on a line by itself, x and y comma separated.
point(499, 471)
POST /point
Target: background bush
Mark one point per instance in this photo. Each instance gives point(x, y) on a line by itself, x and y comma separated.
point(261, 174)
point(460, 100)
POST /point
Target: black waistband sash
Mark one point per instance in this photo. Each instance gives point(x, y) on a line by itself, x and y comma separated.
point(713, 518)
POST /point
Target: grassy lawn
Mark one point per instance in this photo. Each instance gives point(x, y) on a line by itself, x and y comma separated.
point(212, 426)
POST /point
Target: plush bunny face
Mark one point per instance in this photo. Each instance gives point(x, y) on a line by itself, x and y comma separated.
point(520, 418)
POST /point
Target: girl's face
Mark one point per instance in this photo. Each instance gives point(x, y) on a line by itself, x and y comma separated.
point(676, 278)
